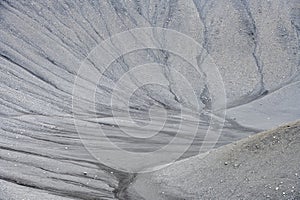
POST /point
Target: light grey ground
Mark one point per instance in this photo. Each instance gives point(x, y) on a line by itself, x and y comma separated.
point(255, 45)
point(263, 166)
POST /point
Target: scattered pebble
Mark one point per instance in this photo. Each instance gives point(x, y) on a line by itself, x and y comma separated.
point(225, 163)
point(277, 188)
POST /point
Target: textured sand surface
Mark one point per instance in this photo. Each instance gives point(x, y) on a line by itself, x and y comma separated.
point(254, 44)
point(264, 166)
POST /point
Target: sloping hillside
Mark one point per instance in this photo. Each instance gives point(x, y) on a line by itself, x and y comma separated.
point(264, 166)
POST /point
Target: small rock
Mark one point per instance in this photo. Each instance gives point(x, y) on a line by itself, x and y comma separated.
point(277, 188)
point(85, 173)
point(225, 163)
